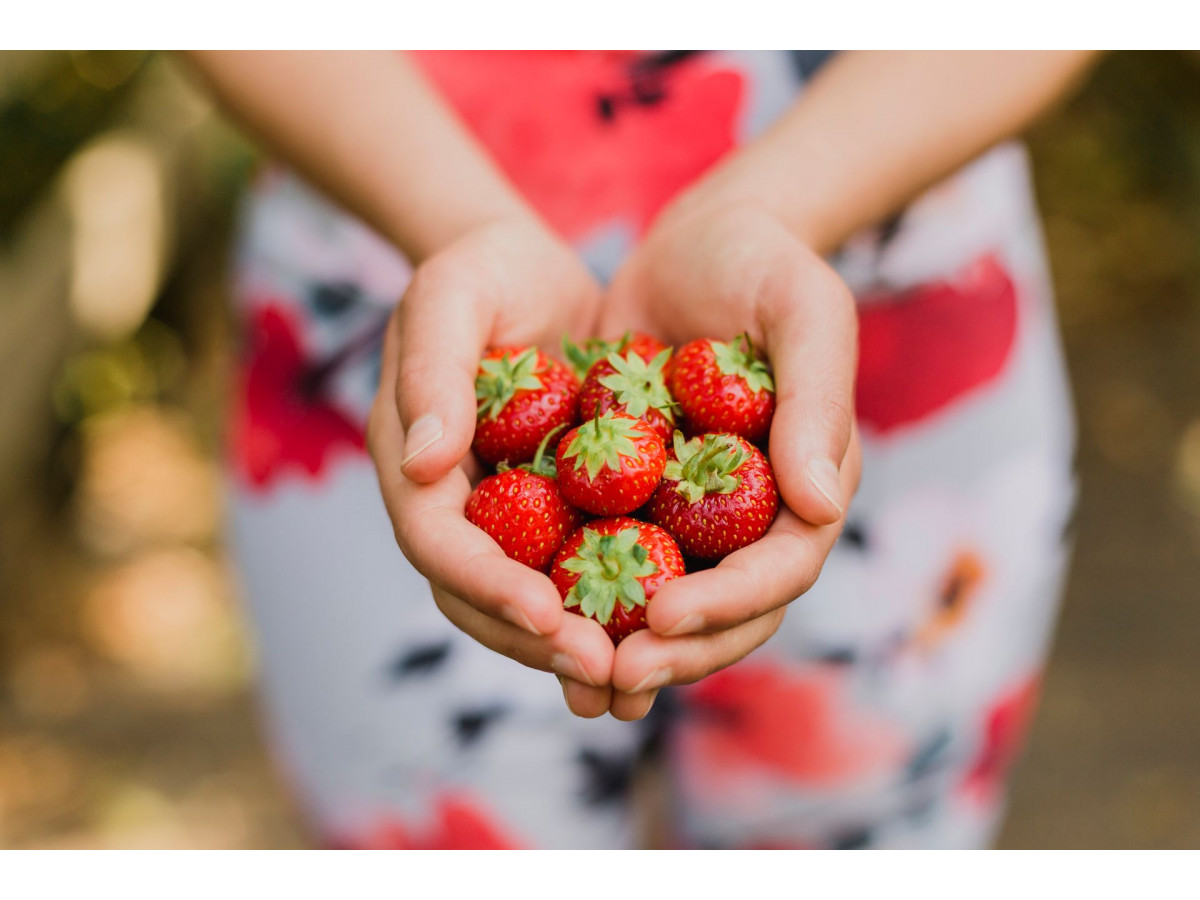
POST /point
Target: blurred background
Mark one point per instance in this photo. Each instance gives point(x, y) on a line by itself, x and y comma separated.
point(127, 721)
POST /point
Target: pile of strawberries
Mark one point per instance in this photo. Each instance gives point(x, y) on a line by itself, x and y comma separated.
point(610, 476)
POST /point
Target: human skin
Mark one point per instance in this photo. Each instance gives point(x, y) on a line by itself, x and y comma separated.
point(740, 250)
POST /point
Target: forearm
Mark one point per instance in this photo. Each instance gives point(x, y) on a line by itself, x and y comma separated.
point(367, 129)
point(876, 128)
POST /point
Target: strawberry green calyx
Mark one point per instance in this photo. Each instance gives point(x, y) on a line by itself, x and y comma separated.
point(705, 465)
point(502, 378)
point(742, 361)
point(602, 442)
point(639, 385)
point(582, 357)
point(608, 566)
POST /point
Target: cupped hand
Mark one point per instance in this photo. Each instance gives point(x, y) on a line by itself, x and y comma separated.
point(715, 273)
point(510, 282)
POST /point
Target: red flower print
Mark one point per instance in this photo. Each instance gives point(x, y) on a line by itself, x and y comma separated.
point(1008, 722)
point(923, 348)
point(785, 721)
point(457, 825)
point(280, 423)
point(589, 138)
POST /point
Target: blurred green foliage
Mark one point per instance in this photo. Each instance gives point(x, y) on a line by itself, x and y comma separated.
point(1117, 171)
point(49, 106)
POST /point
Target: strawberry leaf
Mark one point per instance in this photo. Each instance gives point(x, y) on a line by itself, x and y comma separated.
point(639, 385)
point(500, 379)
point(609, 566)
point(583, 357)
point(706, 465)
point(743, 362)
point(602, 443)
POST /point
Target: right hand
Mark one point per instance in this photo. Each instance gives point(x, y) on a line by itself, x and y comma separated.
point(721, 269)
point(509, 282)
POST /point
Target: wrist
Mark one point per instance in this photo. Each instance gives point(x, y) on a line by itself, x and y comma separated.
point(742, 184)
point(422, 236)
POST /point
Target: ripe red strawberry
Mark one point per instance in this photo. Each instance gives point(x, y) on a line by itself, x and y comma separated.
point(583, 358)
point(625, 382)
point(524, 511)
point(610, 465)
point(644, 345)
point(717, 495)
point(523, 395)
point(721, 387)
point(610, 569)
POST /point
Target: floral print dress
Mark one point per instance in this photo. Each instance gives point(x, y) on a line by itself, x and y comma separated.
point(889, 708)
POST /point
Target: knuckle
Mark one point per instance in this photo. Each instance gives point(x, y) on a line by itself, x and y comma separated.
point(400, 533)
point(810, 563)
point(428, 280)
point(413, 532)
point(416, 375)
point(448, 276)
point(821, 280)
point(835, 412)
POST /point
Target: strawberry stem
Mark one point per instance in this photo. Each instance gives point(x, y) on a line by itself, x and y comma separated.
point(543, 465)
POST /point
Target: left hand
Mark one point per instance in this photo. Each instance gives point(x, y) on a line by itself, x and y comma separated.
point(507, 282)
point(717, 272)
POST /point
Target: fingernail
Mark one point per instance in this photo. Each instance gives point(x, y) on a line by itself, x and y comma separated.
point(423, 434)
point(824, 476)
point(518, 617)
point(571, 667)
point(690, 623)
point(656, 679)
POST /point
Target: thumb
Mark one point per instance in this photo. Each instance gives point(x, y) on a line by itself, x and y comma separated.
point(812, 340)
point(442, 331)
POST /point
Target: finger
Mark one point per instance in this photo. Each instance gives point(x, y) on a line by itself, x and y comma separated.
point(631, 707)
point(583, 700)
point(442, 330)
point(579, 650)
point(811, 329)
point(766, 575)
point(646, 661)
point(442, 545)
point(457, 556)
